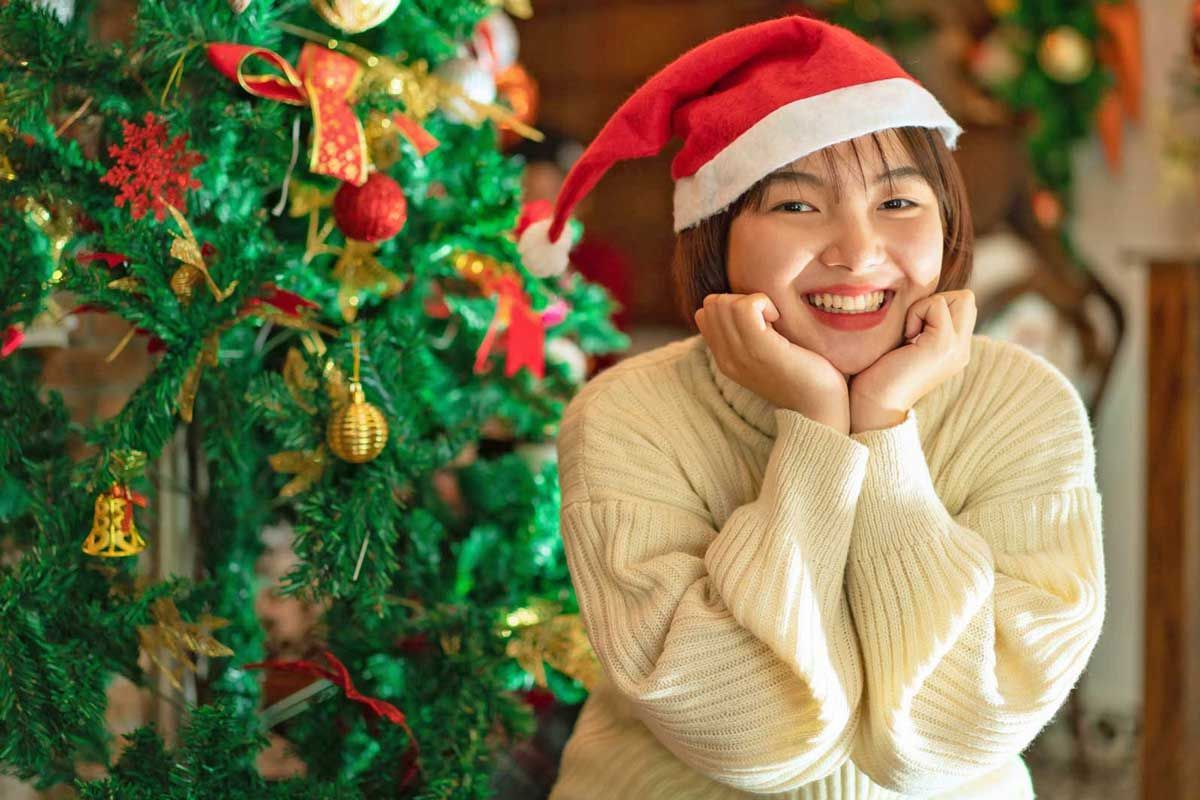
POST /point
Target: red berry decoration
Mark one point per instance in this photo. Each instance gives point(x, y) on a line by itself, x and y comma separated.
point(372, 212)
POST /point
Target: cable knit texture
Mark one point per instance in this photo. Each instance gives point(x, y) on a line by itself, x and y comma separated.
point(784, 610)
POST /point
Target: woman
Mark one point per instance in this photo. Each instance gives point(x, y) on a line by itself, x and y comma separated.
point(836, 545)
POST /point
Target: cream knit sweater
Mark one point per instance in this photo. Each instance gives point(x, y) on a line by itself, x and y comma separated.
point(783, 609)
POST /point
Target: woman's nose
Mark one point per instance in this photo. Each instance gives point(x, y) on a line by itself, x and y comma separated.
point(854, 244)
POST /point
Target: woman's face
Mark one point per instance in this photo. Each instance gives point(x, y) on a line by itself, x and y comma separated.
point(813, 236)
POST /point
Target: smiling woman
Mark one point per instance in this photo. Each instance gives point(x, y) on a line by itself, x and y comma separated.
point(788, 596)
point(910, 236)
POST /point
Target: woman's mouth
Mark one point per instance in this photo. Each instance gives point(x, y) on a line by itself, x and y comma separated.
point(851, 313)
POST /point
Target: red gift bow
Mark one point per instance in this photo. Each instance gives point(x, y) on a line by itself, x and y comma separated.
point(323, 80)
point(339, 676)
point(526, 334)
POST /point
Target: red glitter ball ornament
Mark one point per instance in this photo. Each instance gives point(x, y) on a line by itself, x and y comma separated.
point(372, 212)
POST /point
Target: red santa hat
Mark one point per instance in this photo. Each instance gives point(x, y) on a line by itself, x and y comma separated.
point(745, 103)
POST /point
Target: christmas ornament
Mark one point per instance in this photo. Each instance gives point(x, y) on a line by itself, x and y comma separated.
point(1047, 209)
point(355, 16)
point(521, 9)
point(468, 83)
point(994, 61)
point(538, 635)
point(378, 210)
point(357, 432)
point(1065, 54)
point(1002, 8)
point(561, 350)
point(113, 532)
point(526, 330)
point(496, 42)
point(171, 636)
point(150, 172)
point(383, 133)
point(238, 6)
point(188, 250)
point(372, 212)
point(358, 270)
point(7, 173)
point(518, 87)
point(322, 80)
point(306, 465)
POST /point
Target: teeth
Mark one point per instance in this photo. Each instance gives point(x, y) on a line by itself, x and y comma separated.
point(848, 305)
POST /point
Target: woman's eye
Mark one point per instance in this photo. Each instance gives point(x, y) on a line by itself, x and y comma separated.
point(796, 206)
point(890, 204)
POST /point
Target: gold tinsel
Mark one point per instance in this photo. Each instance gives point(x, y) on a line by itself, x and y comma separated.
point(357, 431)
point(170, 635)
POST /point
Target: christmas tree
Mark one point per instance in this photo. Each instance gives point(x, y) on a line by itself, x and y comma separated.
point(304, 211)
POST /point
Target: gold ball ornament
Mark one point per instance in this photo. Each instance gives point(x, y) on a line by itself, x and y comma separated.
point(355, 16)
point(1002, 8)
point(238, 6)
point(358, 431)
point(1065, 54)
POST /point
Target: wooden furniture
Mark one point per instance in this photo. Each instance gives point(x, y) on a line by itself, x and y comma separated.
point(1170, 754)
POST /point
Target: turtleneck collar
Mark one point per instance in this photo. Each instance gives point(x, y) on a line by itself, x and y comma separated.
point(752, 407)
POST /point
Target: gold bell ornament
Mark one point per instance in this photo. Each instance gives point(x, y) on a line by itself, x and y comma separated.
point(113, 531)
point(358, 431)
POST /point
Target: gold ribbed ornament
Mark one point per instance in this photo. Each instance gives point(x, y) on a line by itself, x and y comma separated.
point(358, 431)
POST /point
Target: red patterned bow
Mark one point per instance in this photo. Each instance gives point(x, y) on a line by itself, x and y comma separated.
point(323, 80)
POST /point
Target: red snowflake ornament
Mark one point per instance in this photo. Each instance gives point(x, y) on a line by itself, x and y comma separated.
point(150, 172)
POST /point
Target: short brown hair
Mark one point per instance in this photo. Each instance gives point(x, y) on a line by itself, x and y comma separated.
point(698, 266)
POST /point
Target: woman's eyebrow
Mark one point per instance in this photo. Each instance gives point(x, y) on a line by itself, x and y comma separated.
point(786, 174)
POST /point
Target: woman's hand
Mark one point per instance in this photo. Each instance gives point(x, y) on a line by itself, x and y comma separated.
point(938, 329)
point(748, 349)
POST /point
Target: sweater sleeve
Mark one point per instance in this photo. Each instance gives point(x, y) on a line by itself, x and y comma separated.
point(974, 626)
point(733, 645)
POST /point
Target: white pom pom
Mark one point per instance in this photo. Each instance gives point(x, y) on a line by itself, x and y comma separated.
point(541, 256)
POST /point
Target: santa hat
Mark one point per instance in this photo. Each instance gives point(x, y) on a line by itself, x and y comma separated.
point(745, 104)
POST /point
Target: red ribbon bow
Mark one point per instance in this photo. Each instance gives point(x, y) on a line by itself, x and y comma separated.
point(526, 334)
point(133, 498)
point(339, 676)
point(321, 79)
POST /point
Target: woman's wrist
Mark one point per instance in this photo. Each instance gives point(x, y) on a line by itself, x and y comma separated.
point(867, 414)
